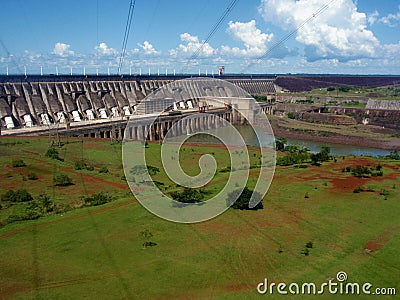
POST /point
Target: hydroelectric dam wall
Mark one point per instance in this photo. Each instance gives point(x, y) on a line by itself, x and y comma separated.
point(43, 101)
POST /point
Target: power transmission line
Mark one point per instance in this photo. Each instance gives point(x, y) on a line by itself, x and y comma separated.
point(213, 30)
point(126, 35)
point(289, 35)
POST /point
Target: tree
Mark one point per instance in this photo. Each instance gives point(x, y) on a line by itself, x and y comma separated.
point(394, 155)
point(188, 195)
point(243, 199)
point(280, 144)
point(321, 156)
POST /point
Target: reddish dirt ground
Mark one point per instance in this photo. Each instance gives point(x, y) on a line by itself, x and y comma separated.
point(91, 179)
point(29, 152)
point(344, 182)
point(380, 240)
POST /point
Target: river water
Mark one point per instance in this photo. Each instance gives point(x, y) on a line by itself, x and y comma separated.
point(250, 139)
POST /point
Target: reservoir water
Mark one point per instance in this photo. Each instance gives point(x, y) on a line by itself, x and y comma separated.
point(250, 139)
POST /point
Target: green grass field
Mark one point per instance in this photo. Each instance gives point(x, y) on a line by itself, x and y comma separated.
point(96, 252)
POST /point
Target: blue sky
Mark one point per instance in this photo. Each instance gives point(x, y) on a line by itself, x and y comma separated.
point(352, 37)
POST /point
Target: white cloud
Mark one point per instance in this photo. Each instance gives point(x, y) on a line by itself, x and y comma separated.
point(191, 45)
point(148, 48)
point(338, 32)
point(103, 49)
point(372, 18)
point(254, 40)
point(391, 20)
point(62, 49)
point(186, 37)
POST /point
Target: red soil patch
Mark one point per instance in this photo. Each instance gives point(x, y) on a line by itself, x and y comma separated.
point(30, 152)
point(5, 293)
point(92, 179)
point(380, 240)
point(343, 182)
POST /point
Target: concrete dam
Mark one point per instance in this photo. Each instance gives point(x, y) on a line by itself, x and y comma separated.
point(42, 101)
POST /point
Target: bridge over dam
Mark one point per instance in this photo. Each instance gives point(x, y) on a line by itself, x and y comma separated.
point(101, 108)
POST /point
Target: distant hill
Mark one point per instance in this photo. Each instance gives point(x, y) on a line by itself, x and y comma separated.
point(309, 82)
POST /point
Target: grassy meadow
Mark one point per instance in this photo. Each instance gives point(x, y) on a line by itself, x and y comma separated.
point(85, 251)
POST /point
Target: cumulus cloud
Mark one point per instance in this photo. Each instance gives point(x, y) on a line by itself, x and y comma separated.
point(254, 40)
point(148, 48)
point(190, 45)
point(103, 49)
point(62, 49)
point(339, 32)
point(391, 20)
point(372, 18)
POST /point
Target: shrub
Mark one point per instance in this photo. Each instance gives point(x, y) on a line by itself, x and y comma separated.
point(384, 192)
point(224, 170)
point(32, 176)
point(291, 115)
point(309, 244)
point(53, 154)
point(98, 199)
point(146, 235)
point(80, 165)
point(62, 180)
point(20, 195)
point(358, 190)
point(344, 89)
point(17, 163)
point(103, 170)
point(361, 171)
point(305, 251)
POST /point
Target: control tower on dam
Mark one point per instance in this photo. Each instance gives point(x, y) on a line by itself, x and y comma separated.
point(32, 101)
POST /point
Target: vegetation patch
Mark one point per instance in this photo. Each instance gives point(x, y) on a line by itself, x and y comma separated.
point(18, 163)
point(97, 199)
point(188, 195)
point(62, 180)
point(243, 199)
point(53, 154)
point(20, 195)
point(364, 171)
